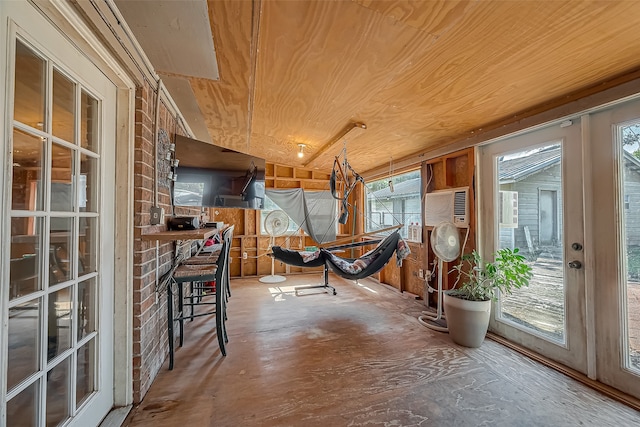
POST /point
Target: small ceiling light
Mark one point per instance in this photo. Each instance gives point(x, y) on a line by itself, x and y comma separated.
point(301, 152)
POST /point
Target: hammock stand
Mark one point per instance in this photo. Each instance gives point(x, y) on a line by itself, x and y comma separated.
point(294, 258)
point(374, 260)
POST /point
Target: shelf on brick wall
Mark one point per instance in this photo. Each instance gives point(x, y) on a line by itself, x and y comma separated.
point(172, 235)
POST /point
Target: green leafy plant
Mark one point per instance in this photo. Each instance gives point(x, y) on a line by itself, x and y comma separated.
point(481, 279)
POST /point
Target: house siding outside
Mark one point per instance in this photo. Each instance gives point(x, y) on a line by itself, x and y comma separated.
point(632, 212)
point(528, 206)
point(550, 179)
point(388, 216)
point(403, 206)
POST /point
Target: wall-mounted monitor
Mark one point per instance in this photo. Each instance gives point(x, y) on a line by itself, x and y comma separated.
point(213, 176)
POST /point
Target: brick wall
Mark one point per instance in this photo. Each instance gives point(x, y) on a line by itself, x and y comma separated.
point(149, 307)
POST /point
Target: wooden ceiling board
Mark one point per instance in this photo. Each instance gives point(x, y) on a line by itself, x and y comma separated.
point(432, 17)
point(493, 56)
point(419, 74)
point(508, 75)
point(224, 108)
point(339, 56)
point(223, 103)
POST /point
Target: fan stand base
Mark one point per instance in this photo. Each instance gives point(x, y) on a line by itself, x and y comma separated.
point(274, 278)
point(435, 324)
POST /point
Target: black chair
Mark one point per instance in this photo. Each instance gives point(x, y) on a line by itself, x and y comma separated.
point(222, 291)
point(197, 275)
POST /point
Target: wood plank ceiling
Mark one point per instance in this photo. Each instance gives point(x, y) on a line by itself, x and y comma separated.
point(419, 74)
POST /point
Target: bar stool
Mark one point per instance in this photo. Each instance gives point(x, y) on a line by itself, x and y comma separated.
point(196, 274)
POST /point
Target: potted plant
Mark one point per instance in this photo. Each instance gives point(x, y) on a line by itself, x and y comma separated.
point(468, 307)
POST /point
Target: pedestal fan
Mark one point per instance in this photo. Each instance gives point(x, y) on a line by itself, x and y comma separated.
point(275, 224)
point(445, 242)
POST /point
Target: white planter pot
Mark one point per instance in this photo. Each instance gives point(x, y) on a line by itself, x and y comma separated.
point(467, 321)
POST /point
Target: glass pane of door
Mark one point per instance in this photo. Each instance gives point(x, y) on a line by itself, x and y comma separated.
point(64, 97)
point(27, 239)
point(531, 197)
point(28, 159)
point(629, 210)
point(55, 218)
point(58, 383)
point(530, 209)
point(29, 89)
point(22, 410)
point(24, 342)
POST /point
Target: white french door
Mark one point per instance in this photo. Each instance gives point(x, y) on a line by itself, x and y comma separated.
point(568, 196)
point(58, 221)
point(616, 238)
point(531, 199)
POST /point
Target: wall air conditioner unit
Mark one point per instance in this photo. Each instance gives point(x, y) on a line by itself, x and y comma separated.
point(508, 209)
point(447, 205)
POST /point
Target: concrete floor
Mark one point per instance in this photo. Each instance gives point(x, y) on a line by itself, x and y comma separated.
point(356, 359)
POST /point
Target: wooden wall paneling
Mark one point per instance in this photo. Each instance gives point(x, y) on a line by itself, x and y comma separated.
point(250, 265)
point(282, 171)
point(392, 275)
point(236, 257)
point(288, 269)
point(283, 176)
point(243, 250)
point(269, 169)
point(251, 222)
point(439, 181)
point(229, 216)
point(323, 176)
point(280, 267)
point(313, 185)
point(411, 281)
point(263, 262)
point(280, 183)
point(303, 173)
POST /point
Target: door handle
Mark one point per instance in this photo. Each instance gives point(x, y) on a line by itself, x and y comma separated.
point(575, 264)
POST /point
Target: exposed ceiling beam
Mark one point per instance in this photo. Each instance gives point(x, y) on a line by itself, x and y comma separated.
point(256, 14)
point(351, 130)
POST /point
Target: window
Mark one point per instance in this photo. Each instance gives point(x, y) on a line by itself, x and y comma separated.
point(389, 205)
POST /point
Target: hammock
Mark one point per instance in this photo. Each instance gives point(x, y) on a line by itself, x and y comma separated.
point(371, 262)
point(304, 259)
point(311, 259)
point(298, 259)
point(349, 268)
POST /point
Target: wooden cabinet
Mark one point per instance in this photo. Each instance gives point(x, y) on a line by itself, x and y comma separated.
point(281, 176)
